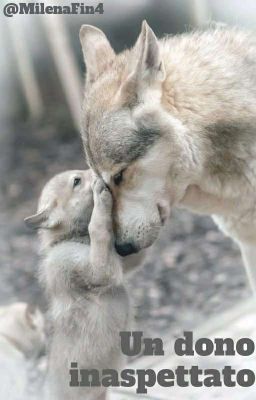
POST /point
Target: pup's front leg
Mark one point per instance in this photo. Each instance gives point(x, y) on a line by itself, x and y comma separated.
point(105, 263)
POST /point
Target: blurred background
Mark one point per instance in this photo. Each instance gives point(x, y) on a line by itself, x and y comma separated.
point(193, 271)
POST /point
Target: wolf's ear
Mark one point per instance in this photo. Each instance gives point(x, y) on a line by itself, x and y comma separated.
point(150, 64)
point(148, 67)
point(44, 219)
point(97, 51)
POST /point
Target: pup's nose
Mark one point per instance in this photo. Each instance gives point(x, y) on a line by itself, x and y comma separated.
point(126, 249)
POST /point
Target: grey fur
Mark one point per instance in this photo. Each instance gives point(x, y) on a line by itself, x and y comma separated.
point(229, 142)
point(119, 141)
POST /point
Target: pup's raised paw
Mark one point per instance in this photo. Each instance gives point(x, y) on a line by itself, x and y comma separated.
point(102, 195)
point(100, 227)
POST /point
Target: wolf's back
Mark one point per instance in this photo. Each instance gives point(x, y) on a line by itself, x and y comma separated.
point(211, 75)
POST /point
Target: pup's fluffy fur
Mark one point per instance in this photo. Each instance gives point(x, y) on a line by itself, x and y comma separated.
point(175, 118)
point(22, 338)
point(83, 279)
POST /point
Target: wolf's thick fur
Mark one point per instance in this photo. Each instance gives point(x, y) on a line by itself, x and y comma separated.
point(177, 118)
point(83, 278)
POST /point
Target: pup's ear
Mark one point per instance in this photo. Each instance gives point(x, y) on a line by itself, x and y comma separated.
point(150, 64)
point(97, 51)
point(44, 219)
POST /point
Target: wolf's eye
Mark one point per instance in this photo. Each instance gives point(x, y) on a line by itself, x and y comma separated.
point(118, 178)
point(76, 182)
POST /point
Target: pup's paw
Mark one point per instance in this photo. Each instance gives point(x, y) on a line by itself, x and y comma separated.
point(101, 226)
point(102, 195)
point(95, 179)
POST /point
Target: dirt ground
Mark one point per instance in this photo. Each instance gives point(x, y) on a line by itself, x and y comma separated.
point(191, 273)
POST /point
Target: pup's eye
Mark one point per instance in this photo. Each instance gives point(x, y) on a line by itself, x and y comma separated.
point(76, 182)
point(118, 178)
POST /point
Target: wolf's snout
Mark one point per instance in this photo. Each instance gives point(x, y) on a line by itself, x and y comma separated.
point(126, 249)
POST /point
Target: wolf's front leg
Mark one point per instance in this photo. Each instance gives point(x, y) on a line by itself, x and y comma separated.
point(105, 263)
point(249, 258)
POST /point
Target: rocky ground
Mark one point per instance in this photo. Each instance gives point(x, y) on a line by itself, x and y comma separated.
point(191, 273)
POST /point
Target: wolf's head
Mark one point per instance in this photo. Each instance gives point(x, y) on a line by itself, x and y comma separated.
point(129, 138)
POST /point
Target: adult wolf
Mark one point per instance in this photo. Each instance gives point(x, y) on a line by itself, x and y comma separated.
point(172, 122)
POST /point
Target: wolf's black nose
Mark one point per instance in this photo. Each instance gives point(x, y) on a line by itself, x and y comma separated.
point(126, 249)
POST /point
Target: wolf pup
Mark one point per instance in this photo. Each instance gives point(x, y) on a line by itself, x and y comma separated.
point(83, 279)
point(172, 122)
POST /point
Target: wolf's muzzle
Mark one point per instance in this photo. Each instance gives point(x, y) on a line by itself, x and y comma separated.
point(125, 249)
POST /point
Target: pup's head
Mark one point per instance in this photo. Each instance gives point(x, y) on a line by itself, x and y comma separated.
point(65, 206)
point(125, 130)
point(24, 326)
